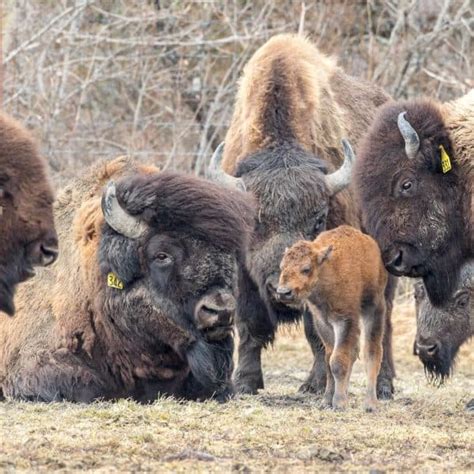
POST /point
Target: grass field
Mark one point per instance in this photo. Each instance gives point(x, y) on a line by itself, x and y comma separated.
point(279, 430)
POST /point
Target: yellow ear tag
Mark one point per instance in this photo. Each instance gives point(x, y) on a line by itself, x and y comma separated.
point(445, 160)
point(114, 281)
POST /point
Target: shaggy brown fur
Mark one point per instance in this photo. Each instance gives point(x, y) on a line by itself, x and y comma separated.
point(425, 230)
point(342, 277)
point(27, 235)
point(293, 107)
point(319, 103)
point(75, 338)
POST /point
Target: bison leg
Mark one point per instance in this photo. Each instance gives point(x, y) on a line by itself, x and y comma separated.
point(211, 367)
point(346, 349)
point(54, 377)
point(316, 381)
point(256, 330)
point(330, 386)
point(470, 406)
point(373, 350)
point(385, 387)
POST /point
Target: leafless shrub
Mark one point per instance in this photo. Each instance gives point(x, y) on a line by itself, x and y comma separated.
point(156, 79)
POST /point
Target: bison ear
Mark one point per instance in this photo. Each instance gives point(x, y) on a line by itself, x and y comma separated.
point(325, 254)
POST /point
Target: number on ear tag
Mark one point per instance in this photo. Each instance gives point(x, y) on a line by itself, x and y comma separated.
point(114, 281)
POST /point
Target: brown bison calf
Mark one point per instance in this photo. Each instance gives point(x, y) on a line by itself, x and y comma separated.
point(342, 278)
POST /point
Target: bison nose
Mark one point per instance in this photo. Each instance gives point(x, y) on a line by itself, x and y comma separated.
point(216, 310)
point(285, 294)
point(426, 349)
point(49, 253)
point(402, 259)
point(44, 251)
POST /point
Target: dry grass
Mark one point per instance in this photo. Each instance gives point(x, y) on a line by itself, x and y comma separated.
point(279, 430)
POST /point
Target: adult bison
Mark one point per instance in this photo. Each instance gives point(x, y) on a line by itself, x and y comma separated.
point(27, 235)
point(293, 108)
point(441, 331)
point(415, 174)
point(135, 306)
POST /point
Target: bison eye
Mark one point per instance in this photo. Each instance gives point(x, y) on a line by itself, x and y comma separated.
point(306, 270)
point(320, 223)
point(407, 186)
point(163, 258)
point(462, 299)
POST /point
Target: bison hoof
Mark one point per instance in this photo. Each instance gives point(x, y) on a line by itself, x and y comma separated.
point(248, 385)
point(225, 395)
point(470, 406)
point(385, 390)
point(308, 387)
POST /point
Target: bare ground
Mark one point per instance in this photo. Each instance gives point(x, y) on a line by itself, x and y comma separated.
point(279, 430)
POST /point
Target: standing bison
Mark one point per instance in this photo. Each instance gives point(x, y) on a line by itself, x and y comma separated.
point(442, 330)
point(139, 305)
point(293, 108)
point(415, 174)
point(27, 235)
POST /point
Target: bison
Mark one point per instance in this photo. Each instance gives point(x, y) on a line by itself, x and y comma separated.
point(442, 330)
point(341, 277)
point(137, 305)
point(415, 175)
point(294, 105)
point(27, 234)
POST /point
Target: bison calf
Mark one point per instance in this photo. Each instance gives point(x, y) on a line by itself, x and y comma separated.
point(342, 278)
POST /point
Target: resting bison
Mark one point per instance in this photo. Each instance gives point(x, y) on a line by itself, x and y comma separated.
point(341, 277)
point(27, 235)
point(415, 174)
point(137, 306)
point(294, 106)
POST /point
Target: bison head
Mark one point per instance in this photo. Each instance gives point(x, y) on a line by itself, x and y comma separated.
point(171, 247)
point(27, 234)
point(411, 195)
point(295, 195)
point(442, 330)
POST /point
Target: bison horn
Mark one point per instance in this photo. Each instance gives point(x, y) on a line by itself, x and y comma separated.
point(119, 219)
point(341, 178)
point(412, 142)
point(216, 173)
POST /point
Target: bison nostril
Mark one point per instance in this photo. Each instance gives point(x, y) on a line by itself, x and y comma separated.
point(284, 293)
point(429, 349)
point(398, 260)
point(432, 349)
point(48, 254)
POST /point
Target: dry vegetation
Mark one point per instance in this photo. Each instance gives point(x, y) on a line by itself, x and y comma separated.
point(157, 79)
point(97, 78)
point(424, 428)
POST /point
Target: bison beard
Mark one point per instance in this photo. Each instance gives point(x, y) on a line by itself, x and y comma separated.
point(141, 339)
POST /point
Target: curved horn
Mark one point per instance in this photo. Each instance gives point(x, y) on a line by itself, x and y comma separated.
point(117, 218)
point(216, 173)
point(341, 178)
point(412, 141)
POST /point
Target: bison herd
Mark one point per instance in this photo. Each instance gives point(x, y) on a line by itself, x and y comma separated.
point(149, 272)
